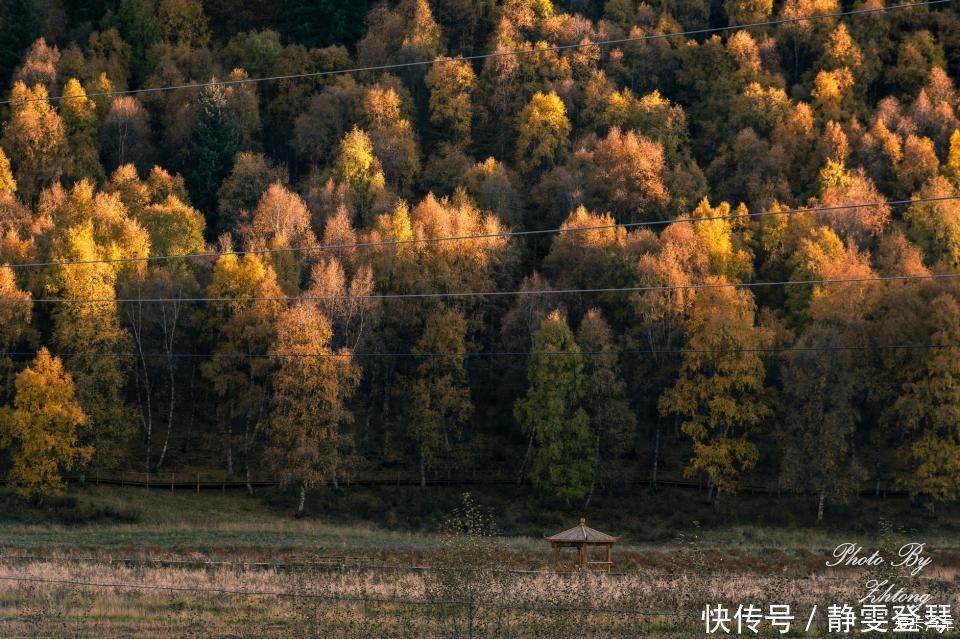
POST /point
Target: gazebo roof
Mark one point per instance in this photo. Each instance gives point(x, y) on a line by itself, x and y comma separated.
point(582, 534)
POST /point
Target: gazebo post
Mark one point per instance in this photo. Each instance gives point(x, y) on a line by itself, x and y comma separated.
point(556, 557)
point(580, 548)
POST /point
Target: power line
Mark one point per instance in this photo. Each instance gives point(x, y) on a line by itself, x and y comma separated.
point(485, 354)
point(470, 294)
point(487, 236)
point(485, 56)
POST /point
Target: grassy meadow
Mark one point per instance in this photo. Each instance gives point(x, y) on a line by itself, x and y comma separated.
point(130, 562)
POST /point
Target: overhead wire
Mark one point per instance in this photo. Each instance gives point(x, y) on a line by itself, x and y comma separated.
point(342, 246)
point(484, 56)
point(470, 294)
point(494, 354)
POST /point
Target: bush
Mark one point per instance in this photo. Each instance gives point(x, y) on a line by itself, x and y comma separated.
point(62, 509)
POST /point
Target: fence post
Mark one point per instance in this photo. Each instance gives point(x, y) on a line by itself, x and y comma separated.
point(121, 479)
point(198, 483)
point(223, 486)
point(173, 477)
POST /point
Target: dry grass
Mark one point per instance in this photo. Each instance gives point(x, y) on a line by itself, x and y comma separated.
point(353, 581)
point(369, 602)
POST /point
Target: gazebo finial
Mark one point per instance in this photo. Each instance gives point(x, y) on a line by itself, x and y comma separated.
point(583, 521)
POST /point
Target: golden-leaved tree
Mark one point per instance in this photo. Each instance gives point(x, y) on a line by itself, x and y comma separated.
point(951, 168)
point(595, 257)
point(8, 185)
point(35, 139)
point(720, 393)
point(451, 110)
point(934, 225)
point(79, 115)
point(384, 118)
point(41, 429)
point(747, 11)
point(15, 319)
point(625, 176)
point(312, 385)
point(543, 132)
point(90, 227)
point(245, 324)
point(359, 169)
point(175, 229)
point(282, 221)
point(405, 265)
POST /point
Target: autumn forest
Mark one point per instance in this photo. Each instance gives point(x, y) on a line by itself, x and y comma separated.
point(573, 245)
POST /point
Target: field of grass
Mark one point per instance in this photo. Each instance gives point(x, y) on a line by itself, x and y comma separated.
point(405, 520)
point(111, 562)
point(369, 602)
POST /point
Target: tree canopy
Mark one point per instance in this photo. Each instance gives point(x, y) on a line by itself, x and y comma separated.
point(307, 241)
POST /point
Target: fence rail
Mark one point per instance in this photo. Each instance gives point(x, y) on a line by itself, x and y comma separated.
point(205, 482)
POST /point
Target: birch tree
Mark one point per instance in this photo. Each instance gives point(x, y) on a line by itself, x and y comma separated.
point(312, 386)
point(438, 395)
point(41, 429)
point(720, 391)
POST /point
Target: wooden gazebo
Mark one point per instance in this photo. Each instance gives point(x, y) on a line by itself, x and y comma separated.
point(586, 540)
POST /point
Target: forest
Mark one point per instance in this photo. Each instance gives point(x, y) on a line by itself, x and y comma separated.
point(570, 244)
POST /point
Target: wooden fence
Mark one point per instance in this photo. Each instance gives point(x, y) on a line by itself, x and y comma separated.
point(206, 482)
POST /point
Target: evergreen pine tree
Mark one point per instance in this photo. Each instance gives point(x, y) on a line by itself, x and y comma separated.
point(563, 451)
point(213, 144)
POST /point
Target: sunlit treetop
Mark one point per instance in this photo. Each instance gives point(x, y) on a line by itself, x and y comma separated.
point(7, 183)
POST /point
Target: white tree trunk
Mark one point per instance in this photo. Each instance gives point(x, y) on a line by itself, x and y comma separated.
point(303, 500)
